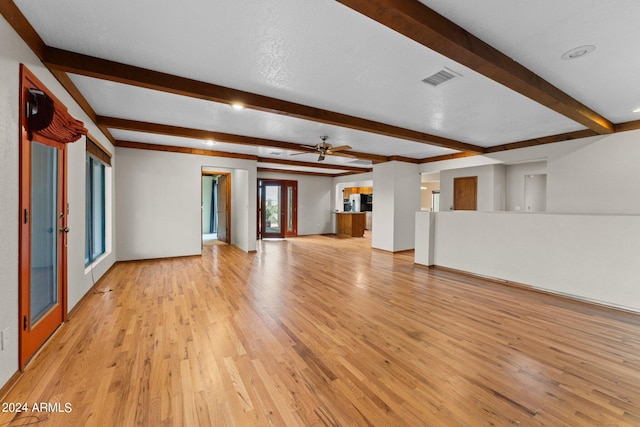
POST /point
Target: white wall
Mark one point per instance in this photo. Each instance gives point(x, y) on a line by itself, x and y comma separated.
point(383, 207)
point(499, 187)
point(158, 201)
point(243, 203)
point(315, 213)
point(396, 199)
point(585, 247)
point(425, 238)
point(591, 257)
point(598, 176)
point(13, 51)
point(464, 162)
point(81, 278)
point(589, 175)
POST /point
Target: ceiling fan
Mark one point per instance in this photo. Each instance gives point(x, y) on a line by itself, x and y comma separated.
point(326, 149)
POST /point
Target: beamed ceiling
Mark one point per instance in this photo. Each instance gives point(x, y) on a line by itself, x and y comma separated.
point(165, 75)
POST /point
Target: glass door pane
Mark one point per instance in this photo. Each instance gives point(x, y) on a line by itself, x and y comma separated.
point(97, 204)
point(272, 209)
point(289, 209)
point(44, 230)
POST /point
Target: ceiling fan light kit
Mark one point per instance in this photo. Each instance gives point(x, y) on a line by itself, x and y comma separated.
point(326, 149)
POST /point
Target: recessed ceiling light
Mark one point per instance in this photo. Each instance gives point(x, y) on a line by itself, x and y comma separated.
point(237, 106)
point(209, 142)
point(637, 110)
point(579, 52)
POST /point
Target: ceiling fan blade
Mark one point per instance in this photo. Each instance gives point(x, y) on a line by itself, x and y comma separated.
point(341, 154)
point(340, 148)
point(304, 148)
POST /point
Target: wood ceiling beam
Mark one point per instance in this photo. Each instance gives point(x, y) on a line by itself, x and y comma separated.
point(446, 157)
point(76, 63)
point(329, 175)
point(544, 140)
point(423, 25)
point(623, 127)
point(160, 129)
point(404, 159)
point(214, 153)
point(25, 30)
point(313, 165)
point(183, 150)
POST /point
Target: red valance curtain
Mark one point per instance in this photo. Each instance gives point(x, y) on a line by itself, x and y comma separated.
point(51, 119)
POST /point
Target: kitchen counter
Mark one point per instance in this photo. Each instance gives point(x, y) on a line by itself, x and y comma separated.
point(350, 224)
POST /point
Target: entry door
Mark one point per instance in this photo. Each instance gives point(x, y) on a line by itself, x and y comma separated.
point(223, 209)
point(465, 192)
point(42, 243)
point(273, 210)
point(278, 208)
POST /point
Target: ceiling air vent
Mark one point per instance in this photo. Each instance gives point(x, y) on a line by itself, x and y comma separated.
point(441, 77)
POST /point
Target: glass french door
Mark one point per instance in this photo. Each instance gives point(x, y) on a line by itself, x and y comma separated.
point(43, 237)
point(278, 207)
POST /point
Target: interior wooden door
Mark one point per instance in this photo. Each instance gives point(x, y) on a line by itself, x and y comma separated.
point(465, 193)
point(223, 208)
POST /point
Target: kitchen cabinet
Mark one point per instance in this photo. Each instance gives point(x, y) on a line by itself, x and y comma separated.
point(350, 224)
point(357, 190)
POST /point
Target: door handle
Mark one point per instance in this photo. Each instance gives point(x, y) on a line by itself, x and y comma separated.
point(64, 229)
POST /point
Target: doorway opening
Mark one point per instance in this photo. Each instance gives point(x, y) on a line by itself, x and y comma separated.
point(535, 193)
point(277, 208)
point(216, 208)
point(430, 192)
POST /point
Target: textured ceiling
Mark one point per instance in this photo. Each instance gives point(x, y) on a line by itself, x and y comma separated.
point(536, 34)
point(322, 54)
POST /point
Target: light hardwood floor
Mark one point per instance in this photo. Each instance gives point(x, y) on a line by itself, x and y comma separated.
point(317, 331)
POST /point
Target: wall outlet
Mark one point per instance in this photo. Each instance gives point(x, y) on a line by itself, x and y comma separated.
point(4, 339)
